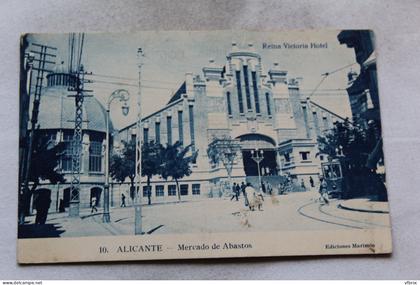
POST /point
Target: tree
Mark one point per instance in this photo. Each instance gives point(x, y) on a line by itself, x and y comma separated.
point(176, 163)
point(151, 158)
point(44, 166)
point(353, 146)
point(123, 165)
point(224, 150)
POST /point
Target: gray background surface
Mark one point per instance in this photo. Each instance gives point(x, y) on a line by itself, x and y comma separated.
point(398, 40)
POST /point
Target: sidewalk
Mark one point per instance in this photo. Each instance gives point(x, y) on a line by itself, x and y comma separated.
point(364, 205)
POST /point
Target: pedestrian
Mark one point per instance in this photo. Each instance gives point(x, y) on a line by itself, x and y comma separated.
point(311, 181)
point(323, 192)
point(237, 191)
point(93, 204)
point(302, 184)
point(234, 192)
point(255, 198)
point(269, 188)
point(264, 189)
point(243, 187)
point(122, 200)
point(42, 202)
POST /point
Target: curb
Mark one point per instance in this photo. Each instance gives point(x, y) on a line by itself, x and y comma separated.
point(362, 210)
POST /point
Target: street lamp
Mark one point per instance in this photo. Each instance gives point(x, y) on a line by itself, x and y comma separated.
point(123, 96)
point(258, 156)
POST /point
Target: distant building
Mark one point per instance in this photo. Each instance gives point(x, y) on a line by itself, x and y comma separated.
point(363, 88)
point(263, 111)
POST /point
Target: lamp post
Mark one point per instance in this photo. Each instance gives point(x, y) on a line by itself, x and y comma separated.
point(123, 96)
point(258, 156)
point(139, 138)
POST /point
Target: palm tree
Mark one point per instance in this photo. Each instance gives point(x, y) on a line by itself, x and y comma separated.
point(224, 150)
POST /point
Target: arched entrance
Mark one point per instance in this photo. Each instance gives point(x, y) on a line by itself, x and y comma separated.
point(264, 146)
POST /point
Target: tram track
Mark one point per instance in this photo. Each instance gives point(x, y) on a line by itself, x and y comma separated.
point(320, 208)
point(301, 212)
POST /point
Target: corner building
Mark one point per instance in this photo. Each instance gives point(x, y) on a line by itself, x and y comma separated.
point(263, 111)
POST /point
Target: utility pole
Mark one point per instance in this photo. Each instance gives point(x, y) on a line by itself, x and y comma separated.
point(43, 55)
point(77, 142)
point(137, 206)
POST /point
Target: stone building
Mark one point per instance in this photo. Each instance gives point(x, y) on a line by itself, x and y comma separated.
point(363, 89)
point(56, 121)
point(238, 99)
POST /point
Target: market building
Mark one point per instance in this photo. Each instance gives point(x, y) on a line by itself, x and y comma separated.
point(264, 111)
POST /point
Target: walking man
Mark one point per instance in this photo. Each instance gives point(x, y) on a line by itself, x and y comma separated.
point(311, 181)
point(237, 191)
point(234, 193)
point(243, 186)
point(93, 202)
point(122, 200)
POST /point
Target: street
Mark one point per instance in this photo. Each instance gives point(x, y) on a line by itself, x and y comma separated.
point(291, 212)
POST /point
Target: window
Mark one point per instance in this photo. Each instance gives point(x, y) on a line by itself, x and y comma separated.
point(229, 105)
point(287, 157)
point(147, 190)
point(239, 89)
point(157, 132)
point(184, 189)
point(171, 190)
point(169, 129)
point(247, 93)
point(256, 95)
point(159, 191)
point(66, 159)
point(196, 189)
point(145, 135)
point(321, 157)
point(304, 155)
point(180, 128)
point(191, 113)
point(95, 156)
point(267, 100)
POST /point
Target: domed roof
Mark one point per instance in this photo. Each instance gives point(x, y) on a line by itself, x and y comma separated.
point(57, 111)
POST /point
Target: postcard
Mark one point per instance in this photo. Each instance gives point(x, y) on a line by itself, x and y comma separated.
point(200, 144)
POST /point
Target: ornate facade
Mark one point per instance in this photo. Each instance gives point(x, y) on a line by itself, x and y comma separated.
point(237, 99)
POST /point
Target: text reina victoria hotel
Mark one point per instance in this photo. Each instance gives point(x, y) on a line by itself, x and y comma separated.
point(262, 110)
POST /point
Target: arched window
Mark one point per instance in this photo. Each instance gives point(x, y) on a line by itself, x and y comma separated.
point(229, 105)
point(247, 92)
point(157, 132)
point(180, 127)
point(169, 129)
point(267, 100)
point(239, 89)
point(145, 135)
point(256, 95)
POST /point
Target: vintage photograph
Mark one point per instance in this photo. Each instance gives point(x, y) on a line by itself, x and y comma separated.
point(158, 135)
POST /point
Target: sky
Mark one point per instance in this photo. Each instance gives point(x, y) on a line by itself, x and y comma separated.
point(168, 55)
